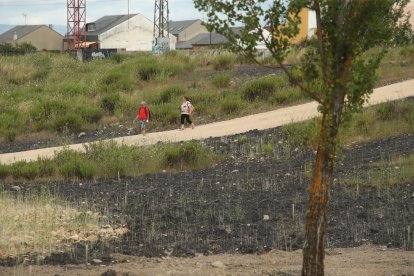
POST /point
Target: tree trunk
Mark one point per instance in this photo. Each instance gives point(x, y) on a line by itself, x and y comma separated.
point(319, 192)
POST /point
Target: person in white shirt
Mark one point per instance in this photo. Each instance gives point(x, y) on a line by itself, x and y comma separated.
point(186, 110)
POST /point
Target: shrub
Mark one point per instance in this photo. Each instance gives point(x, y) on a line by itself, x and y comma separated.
point(23, 169)
point(117, 80)
point(74, 164)
point(261, 89)
point(112, 78)
point(9, 122)
point(109, 102)
point(223, 62)
point(4, 171)
point(304, 134)
point(47, 110)
point(221, 81)
point(40, 75)
point(287, 95)
point(73, 89)
point(166, 113)
point(231, 104)
point(147, 71)
point(90, 113)
point(386, 111)
point(69, 122)
point(46, 167)
point(168, 94)
point(267, 149)
point(118, 58)
point(188, 155)
point(111, 157)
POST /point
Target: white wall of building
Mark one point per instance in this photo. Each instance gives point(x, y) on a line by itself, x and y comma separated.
point(135, 34)
point(312, 26)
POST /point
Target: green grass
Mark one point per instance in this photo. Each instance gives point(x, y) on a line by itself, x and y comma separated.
point(376, 122)
point(46, 94)
point(384, 173)
point(110, 160)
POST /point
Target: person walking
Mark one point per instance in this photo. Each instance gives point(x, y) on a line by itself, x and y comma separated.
point(186, 110)
point(143, 116)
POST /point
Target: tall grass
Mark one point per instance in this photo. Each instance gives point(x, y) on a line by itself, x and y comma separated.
point(39, 224)
point(383, 173)
point(383, 120)
point(54, 93)
point(110, 160)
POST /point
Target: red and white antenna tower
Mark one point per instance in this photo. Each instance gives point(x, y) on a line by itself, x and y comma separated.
point(76, 24)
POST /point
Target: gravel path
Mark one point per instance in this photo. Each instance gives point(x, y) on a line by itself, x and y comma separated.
point(259, 121)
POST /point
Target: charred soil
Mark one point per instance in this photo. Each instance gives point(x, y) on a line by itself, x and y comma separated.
point(253, 202)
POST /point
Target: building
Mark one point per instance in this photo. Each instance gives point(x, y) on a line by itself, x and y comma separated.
point(132, 32)
point(307, 27)
point(410, 10)
point(187, 29)
point(40, 36)
point(212, 40)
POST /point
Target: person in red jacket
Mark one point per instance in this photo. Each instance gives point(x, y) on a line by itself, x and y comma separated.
point(143, 116)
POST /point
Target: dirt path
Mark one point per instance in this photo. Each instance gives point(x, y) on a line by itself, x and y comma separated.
point(366, 260)
point(258, 121)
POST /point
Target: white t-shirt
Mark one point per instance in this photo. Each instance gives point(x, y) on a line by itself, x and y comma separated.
point(186, 107)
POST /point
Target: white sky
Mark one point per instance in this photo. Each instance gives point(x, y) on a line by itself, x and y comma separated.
point(54, 11)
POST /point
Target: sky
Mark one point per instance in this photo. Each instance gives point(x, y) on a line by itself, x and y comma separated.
point(33, 12)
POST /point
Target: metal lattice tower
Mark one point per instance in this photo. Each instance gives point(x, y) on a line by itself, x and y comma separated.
point(76, 24)
point(161, 18)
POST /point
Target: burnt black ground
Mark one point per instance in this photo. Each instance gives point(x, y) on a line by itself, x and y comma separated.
point(225, 208)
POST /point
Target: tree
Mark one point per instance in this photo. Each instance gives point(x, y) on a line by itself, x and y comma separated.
point(338, 71)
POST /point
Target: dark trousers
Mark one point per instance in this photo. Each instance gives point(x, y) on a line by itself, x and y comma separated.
point(185, 117)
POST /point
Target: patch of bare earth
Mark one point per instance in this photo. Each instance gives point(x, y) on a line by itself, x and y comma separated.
point(365, 260)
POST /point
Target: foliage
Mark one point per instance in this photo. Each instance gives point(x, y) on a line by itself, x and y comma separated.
point(111, 160)
point(221, 81)
point(109, 102)
point(223, 62)
point(335, 72)
point(171, 92)
point(18, 49)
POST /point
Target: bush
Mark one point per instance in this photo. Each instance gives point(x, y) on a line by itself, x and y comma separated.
point(221, 81)
point(166, 114)
point(231, 104)
point(224, 62)
point(111, 157)
point(187, 155)
point(304, 134)
point(23, 169)
point(118, 58)
point(90, 114)
point(287, 95)
point(386, 111)
point(74, 164)
point(48, 110)
point(46, 167)
point(117, 80)
point(4, 171)
point(147, 71)
point(168, 94)
point(69, 122)
point(261, 89)
point(109, 102)
point(73, 89)
point(9, 122)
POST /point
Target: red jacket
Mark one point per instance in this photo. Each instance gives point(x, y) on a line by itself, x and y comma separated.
point(143, 113)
